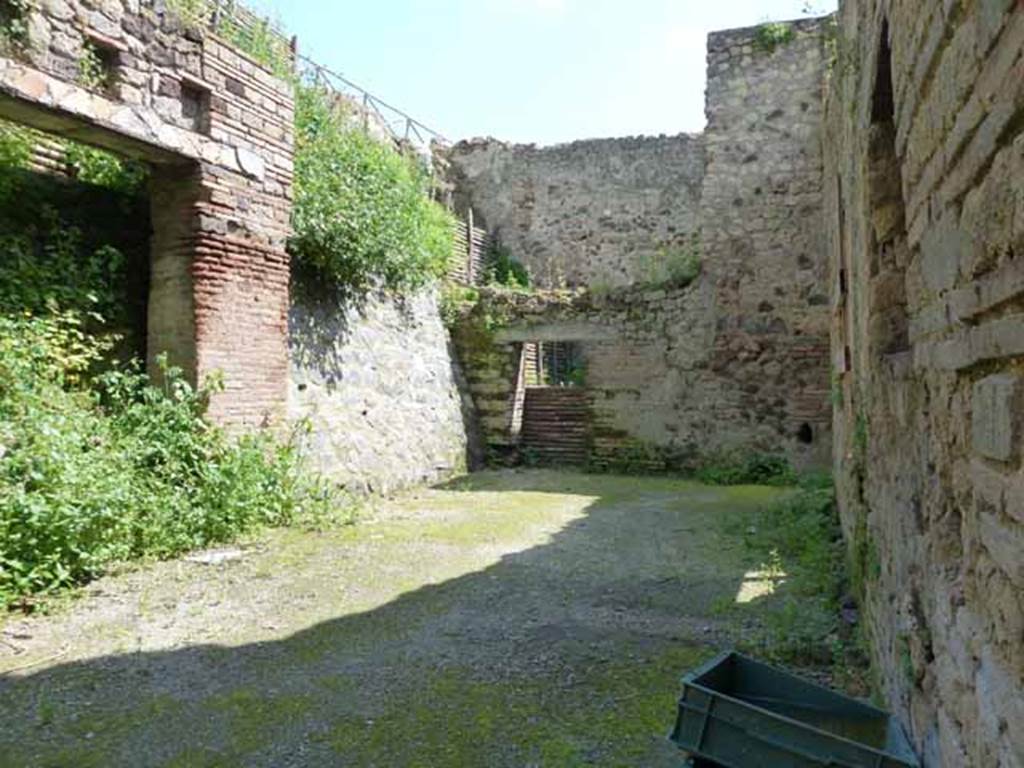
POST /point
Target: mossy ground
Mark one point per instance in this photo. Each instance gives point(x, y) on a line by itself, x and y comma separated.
point(510, 619)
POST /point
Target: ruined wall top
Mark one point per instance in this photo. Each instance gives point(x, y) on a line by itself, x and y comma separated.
point(594, 212)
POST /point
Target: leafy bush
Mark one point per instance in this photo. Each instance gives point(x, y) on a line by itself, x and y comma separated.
point(362, 211)
point(771, 35)
point(98, 471)
point(13, 26)
point(96, 166)
point(505, 270)
point(738, 468)
point(673, 266)
point(87, 164)
point(799, 538)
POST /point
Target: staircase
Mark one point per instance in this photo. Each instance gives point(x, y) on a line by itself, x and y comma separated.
point(556, 425)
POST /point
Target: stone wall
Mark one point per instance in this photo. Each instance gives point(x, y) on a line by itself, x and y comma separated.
point(655, 395)
point(217, 130)
point(381, 391)
point(925, 181)
point(739, 360)
point(590, 212)
point(763, 231)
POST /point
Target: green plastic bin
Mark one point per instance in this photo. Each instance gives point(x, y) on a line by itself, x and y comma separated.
point(736, 712)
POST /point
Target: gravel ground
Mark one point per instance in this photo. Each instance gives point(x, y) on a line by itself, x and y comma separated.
point(515, 618)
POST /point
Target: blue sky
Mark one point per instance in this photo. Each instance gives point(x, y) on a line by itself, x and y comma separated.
point(543, 71)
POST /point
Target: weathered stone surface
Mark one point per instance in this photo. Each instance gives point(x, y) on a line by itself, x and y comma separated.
point(927, 461)
point(738, 360)
point(381, 390)
point(997, 410)
point(600, 212)
point(221, 181)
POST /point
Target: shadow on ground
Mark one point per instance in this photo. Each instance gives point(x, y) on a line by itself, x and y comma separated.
point(515, 619)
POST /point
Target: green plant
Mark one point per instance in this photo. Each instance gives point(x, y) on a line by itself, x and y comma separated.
point(771, 35)
point(455, 301)
point(96, 166)
point(746, 468)
point(362, 211)
point(504, 270)
point(798, 539)
point(14, 26)
point(99, 470)
point(675, 266)
point(94, 69)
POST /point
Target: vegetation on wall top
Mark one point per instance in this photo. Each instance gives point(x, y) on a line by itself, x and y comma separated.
point(772, 35)
point(362, 213)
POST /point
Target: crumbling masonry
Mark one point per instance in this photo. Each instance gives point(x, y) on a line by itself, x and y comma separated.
point(858, 205)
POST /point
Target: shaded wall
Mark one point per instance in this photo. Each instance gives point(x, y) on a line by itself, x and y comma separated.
point(655, 397)
point(926, 208)
point(381, 390)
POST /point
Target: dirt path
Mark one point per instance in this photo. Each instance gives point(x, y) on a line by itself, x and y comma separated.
point(516, 619)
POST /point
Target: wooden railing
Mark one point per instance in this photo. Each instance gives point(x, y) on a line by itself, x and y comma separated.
point(470, 251)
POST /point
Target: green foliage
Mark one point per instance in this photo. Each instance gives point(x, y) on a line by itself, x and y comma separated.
point(362, 214)
point(98, 471)
point(94, 72)
point(362, 211)
point(505, 270)
point(85, 163)
point(746, 468)
point(96, 166)
point(457, 300)
point(798, 541)
point(13, 26)
point(771, 35)
point(260, 40)
point(674, 266)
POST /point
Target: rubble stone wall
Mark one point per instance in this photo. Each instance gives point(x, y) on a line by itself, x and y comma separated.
point(925, 187)
point(381, 390)
point(599, 212)
point(740, 359)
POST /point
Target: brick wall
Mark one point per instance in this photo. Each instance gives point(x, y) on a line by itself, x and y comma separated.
point(925, 182)
point(216, 127)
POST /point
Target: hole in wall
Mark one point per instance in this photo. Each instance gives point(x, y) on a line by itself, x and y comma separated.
point(195, 107)
point(805, 434)
point(99, 64)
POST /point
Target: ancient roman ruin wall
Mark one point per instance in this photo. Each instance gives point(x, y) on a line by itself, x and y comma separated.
point(217, 129)
point(739, 360)
point(595, 212)
point(379, 384)
point(925, 183)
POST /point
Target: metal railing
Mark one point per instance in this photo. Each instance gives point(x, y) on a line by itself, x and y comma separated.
point(233, 19)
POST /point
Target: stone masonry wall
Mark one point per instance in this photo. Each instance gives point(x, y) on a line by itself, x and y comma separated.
point(381, 390)
point(590, 212)
point(647, 357)
point(763, 234)
point(217, 130)
point(925, 181)
point(740, 359)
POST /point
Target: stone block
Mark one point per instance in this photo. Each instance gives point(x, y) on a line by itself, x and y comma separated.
point(996, 417)
point(942, 250)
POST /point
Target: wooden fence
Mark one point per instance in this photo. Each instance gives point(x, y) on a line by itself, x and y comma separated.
point(472, 247)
